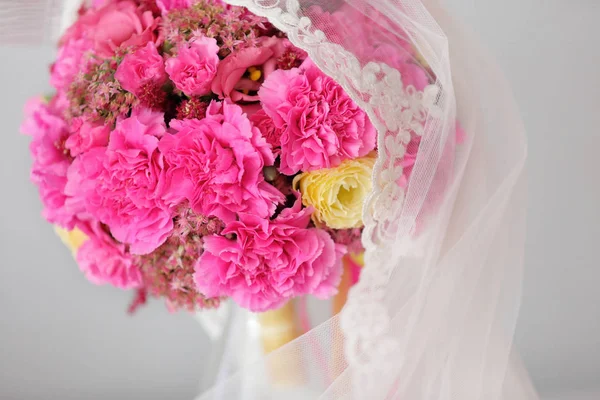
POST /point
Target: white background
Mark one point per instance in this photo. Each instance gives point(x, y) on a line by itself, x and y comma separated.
point(63, 338)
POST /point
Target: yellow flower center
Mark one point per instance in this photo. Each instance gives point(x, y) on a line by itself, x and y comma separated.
point(337, 194)
point(254, 74)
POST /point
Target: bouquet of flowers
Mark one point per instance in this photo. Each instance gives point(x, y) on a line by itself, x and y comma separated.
point(198, 150)
point(192, 153)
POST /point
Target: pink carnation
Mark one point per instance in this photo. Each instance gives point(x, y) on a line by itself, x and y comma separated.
point(193, 68)
point(270, 132)
point(103, 260)
point(69, 61)
point(81, 181)
point(140, 67)
point(115, 24)
point(270, 262)
point(51, 160)
point(167, 5)
point(369, 40)
point(411, 73)
point(153, 121)
point(321, 125)
point(216, 164)
point(127, 186)
point(230, 81)
point(85, 135)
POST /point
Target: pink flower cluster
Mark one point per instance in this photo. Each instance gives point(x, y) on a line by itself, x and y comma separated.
point(172, 142)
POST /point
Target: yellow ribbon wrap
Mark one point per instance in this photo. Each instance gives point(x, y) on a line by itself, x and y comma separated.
point(279, 327)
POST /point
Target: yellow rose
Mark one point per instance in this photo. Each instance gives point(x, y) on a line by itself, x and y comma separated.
point(337, 194)
point(72, 239)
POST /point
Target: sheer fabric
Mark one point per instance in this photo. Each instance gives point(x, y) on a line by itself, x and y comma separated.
point(434, 312)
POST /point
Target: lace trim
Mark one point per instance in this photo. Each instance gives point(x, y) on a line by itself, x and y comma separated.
point(396, 110)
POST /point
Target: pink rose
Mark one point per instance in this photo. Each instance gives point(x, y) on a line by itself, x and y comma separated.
point(269, 262)
point(128, 180)
point(69, 61)
point(216, 164)
point(115, 24)
point(51, 160)
point(140, 67)
point(194, 67)
point(321, 125)
point(85, 135)
point(230, 81)
point(103, 261)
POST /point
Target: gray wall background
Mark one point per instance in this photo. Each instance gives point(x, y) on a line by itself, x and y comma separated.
point(61, 337)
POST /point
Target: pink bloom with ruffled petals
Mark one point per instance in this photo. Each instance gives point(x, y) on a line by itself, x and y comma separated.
point(321, 125)
point(167, 5)
point(81, 181)
point(128, 185)
point(103, 261)
point(270, 262)
point(69, 61)
point(270, 132)
point(85, 135)
point(115, 24)
point(51, 160)
point(216, 164)
point(194, 67)
point(140, 67)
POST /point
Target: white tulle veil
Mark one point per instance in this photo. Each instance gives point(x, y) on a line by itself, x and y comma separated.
point(433, 315)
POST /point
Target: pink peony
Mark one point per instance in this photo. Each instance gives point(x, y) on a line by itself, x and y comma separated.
point(269, 262)
point(194, 67)
point(103, 260)
point(321, 125)
point(216, 164)
point(231, 82)
point(69, 61)
point(128, 184)
point(115, 24)
point(85, 135)
point(140, 67)
point(167, 5)
point(270, 132)
point(51, 160)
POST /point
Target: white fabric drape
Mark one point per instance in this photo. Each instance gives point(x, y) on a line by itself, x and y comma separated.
point(433, 315)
